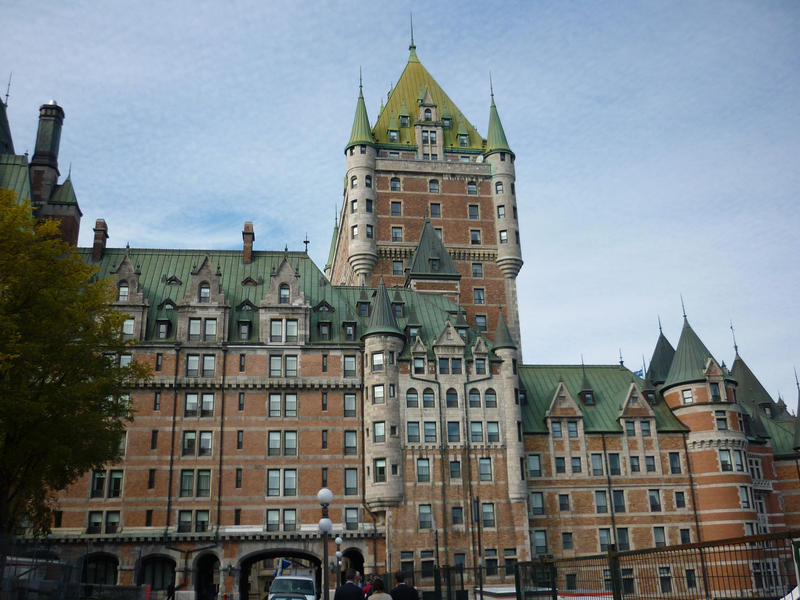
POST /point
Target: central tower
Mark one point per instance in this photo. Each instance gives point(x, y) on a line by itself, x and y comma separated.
point(424, 167)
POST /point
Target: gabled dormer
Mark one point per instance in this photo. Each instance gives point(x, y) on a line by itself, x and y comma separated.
point(284, 312)
point(205, 286)
point(130, 299)
point(419, 356)
point(562, 404)
point(203, 311)
point(480, 358)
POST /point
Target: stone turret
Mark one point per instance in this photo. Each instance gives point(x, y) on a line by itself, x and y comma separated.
point(44, 164)
point(383, 343)
point(359, 207)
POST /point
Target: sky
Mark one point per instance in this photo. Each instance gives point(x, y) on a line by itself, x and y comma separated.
point(657, 144)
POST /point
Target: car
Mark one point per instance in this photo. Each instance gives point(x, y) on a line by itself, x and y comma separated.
point(292, 585)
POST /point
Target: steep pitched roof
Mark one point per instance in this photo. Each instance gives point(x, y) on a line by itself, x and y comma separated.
point(404, 100)
point(660, 362)
point(611, 386)
point(64, 193)
point(431, 252)
point(6, 143)
point(691, 356)
point(496, 140)
point(360, 134)
point(502, 337)
point(382, 318)
point(15, 176)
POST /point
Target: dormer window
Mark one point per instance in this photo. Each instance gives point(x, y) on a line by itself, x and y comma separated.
point(283, 294)
point(162, 330)
point(427, 114)
point(122, 292)
point(204, 292)
point(588, 397)
point(405, 121)
point(767, 411)
point(363, 309)
point(463, 140)
point(397, 309)
point(394, 136)
point(462, 331)
point(715, 396)
point(350, 331)
point(447, 122)
point(434, 264)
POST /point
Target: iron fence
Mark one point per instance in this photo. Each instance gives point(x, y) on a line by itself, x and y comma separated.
point(755, 567)
point(458, 582)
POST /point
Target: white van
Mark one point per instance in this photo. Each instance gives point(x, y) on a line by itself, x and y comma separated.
point(284, 585)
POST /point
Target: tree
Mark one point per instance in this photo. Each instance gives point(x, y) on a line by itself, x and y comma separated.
point(63, 393)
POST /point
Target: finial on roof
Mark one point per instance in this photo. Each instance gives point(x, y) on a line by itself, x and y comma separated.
point(491, 87)
point(69, 171)
point(659, 325)
point(733, 333)
point(360, 81)
point(683, 307)
point(796, 381)
point(8, 88)
point(306, 242)
point(621, 362)
point(411, 18)
point(644, 368)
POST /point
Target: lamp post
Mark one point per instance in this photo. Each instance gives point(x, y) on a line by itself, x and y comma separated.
point(324, 497)
point(338, 541)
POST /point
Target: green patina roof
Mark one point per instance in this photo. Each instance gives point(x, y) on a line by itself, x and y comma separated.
point(403, 100)
point(64, 193)
point(6, 142)
point(382, 319)
point(502, 337)
point(751, 395)
point(661, 361)
point(689, 362)
point(361, 133)
point(14, 175)
point(496, 140)
point(610, 386)
point(431, 247)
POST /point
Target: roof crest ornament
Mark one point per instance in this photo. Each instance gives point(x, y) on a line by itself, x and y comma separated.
point(491, 87)
point(733, 333)
point(683, 307)
point(659, 325)
point(8, 87)
point(411, 18)
point(360, 81)
point(621, 362)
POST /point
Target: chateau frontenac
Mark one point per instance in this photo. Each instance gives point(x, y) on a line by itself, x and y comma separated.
point(393, 376)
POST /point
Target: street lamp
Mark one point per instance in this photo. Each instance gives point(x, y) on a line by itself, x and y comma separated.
point(324, 497)
point(338, 541)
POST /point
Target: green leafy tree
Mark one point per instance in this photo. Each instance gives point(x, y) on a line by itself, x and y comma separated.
point(63, 400)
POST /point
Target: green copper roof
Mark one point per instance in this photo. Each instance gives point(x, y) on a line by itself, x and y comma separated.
point(404, 100)
point(502, 337)
point(431, 259)
point(6, 143)
point(610, 386)
point(689, 362)
point(496, 140)
point(14, 175)
point(360, 133)
point(660, 362)
point(64, 193)
point(382, 318)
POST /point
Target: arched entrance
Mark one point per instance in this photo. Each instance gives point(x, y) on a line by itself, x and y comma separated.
point(257, 570)
point(100, 569)
point(206, 577)
point(157, 571)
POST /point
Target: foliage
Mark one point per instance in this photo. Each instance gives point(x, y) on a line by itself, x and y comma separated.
point(63, 402)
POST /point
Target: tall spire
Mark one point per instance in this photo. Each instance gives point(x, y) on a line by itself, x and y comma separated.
point(382, 319)
point(690, 358)
point(496, 139)
point(735, 346)
point(361, 132)
point(6, 143)
point(412, 48)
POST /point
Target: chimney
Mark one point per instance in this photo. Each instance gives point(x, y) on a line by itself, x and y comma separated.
point(44, 164)
point(100, 237)
point(248, 237)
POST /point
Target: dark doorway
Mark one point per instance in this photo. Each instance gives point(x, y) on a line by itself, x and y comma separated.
point(257, 570)
point(352, 559)
point(206, 580)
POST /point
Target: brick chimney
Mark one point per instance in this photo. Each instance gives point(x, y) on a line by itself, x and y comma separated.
point(100, 237)
point(248, 237)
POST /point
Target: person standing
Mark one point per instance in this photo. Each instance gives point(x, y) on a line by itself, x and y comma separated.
point(403, 591)
point(351, 590)
point(378, 591)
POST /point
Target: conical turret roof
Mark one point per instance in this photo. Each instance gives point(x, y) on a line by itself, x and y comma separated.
point(496, 140)
point(660, 362)
point(431, 253)
point(382, 319)
point(332, 251)
point(6, 143)
point(361, 132)
point(749, 389)
point(502, 337)
point(691, 356)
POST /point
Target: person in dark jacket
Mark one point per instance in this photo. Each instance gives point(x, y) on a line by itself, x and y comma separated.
point(403, 591)
point(351, 590)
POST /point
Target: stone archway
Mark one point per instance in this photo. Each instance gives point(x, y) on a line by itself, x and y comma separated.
point(352, 559)
point(256, 572)
point(206, 577)
point(100, 568)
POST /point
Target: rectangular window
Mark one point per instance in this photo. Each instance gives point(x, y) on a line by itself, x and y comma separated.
point(563, 502)
point(350, 482)
point(618, 496)
point(597, 464)
point(721, 419)
point(472, 211)
point(98, 488)
point(273, 482)
point(630, 428)
point(194, 329)
point(686, 536)
point(379, 470)
point(561, 466)
point(576, 464)
point(534, 465)
point(623, 541)
point(273, 519)
point(397, 234)
point(453, 431)
point(613, 464)
point(555, 429)
point(600, 501)
point(540, 541)
point(493, 432)
point(289, 519)
point(674, 463)
point(188, 443)
point(566, 544)
point(455, 367)
point(350, 445)
point(290, 405)
point(412, 431)
point(290, 364)
point(485, 469)
point(475, 236)
point(604, 536)
point(208, 365)
point(192, 365)
point(477, 270)
point(725, 460)
point(537, 503)
point(203, 483)
point(154, 439)
point(476, 431)
point(210, 332)
point(635, 467)
point(207, 405)
point(429, 428)
point(455, 469)
point(187, 483)
point(397, 267)
point(715, 395)
point(276, 330)
point(650, 464)
point(572, 429)
point(655, 500)
point(659, 537)
point(290, 482)
point(349, 403)
point(351, 519)
point(290, 443)
point(645, 428)
point(151, 479)
point(349, 366)
point(744, 496)
point(480, 366)
point(687, 396)
point(190, 405)
point(423, 470)
point(241, 400)
point(680, 500)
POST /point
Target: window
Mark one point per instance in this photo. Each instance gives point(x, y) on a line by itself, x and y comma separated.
point(369, 232)
point(394, 136)
point(283, 294)
point(122, 292)
point(428, 399)
point(618, 497)
point(600, 501)
point(474, 398)
point(349, 404)
point(194, 329)
point(555, 429)
point(127, 329)
point(534, 465)
point(472, 211)
point(433, 187)
point(423, 470)
point(572, 429)
point(436, 210)
point(474, 236)
point(613, 464)
point(604, 536)
point(686, 536)
point(725, 460)
point(412, 398)
point(427, 114)
point(162, 330)
point(680, 500)
point(721, 419)
point(561, 464)
point(597, 464)
point(630, 428)
point(476, 431)
point(650, 464)
point(654, 497)
point(204, 448)
point(635, 467)
point(353, 181)
point(451, 396)
point(349, 366)
point(503, 236)
point(204, 292)
point(674, 463)
point(154, 439)
point(501, 211)
point(576, 464)
point(424, 516)
point(350, 482)
point(98, 484)
point(429, 428)
point(188, 443)
point(687, 396)
point(207, 405)
point(412, 431)
point(190, 405)
point(659, 537)
point(457, 515)
point(394, 185)
point(480, 366)
point(485, 468)
point(623, 540)
point(744, 496)
point(350, 444)
point(368, 181)
point(273, 519)
point(379, 431)
point(563, 502)
point(379, 470)
point(536, 500)
point(540, 542)
point(691, 579)
point(112, 521)
point(239, 439)
point(289, 519)
point(566, 544)
point(273, 482)
point(453, 431)
point(715, 395)
point(351, 519)
point(210, 332)
point(353, 206)
point(289, 482)
point(478, 296)
point(498, 187)
point(487, 513)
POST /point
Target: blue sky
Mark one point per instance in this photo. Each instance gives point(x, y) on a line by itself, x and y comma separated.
point(656, 144)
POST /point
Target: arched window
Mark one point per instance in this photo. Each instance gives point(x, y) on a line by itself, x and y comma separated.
point(412, 398)
point(122, 291)
point(472, 188)
point(394, 184)
point(204, 292)
point(428, 398)
point(433, 186)
point(283, 294)
point(452, 398)
point(474, 398)
point(353, 181)
point(158, 572)
point(491, 398)
point(427, 114)
point(100, 569)
point(368, 181)
point(498, 187)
